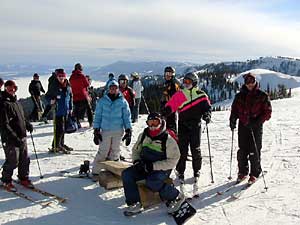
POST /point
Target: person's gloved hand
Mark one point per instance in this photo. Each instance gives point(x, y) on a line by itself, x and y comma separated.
point(206, 117)
point(97, 136)
point(139, 165)
point(232, 124)
point(127, 137)
point(29, 127)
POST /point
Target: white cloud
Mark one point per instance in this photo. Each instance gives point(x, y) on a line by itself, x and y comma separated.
point(160, 30)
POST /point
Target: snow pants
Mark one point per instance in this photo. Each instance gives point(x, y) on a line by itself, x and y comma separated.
point(37, 108)
point(60, 131)
point(247, 151)
point(155, 181)
point(189, 135)
point(136, 110)
point(15, 157)
point(109, 148)
point(82, 107)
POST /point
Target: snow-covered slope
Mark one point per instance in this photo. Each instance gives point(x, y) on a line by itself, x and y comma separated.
point(89, 204)
point(271, 78)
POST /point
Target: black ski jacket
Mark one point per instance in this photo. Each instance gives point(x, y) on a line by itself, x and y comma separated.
point(35, 88)
point(12, 120)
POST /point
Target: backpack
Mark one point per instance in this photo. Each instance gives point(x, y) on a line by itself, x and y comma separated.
point(70, 124)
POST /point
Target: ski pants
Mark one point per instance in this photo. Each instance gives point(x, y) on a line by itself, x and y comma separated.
point(15, 157)
point(109, 148)
point(155, 181)
point(247, 150)
point(48, 107)
point(60, 131)
point(136, 110)
point(80, 107)
point(37, 108)
point(189, 134)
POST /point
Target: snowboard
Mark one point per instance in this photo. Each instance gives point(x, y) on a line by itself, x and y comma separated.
point(184, 213)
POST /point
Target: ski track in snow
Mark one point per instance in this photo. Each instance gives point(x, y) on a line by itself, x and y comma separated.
point(90, 204)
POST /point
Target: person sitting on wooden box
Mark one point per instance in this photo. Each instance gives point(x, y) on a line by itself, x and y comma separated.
point(154, 156)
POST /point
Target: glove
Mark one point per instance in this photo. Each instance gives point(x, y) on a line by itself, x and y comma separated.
point(127, 137)
point(29, 127)
point(148, 167)
point(166, 111)
point(232, 124)
point(206, 117)
point(97, 136)
point(139, 165)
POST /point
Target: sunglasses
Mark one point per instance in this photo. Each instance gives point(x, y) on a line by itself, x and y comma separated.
point(153, 123)
point(61, 76)
point(249, 80)
point(187, 81)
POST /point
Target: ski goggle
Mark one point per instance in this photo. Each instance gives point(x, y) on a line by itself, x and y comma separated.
point(153, 123)
point(187, 81)
point(249, 80)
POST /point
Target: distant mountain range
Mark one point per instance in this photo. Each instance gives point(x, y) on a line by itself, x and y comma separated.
point(286, 65)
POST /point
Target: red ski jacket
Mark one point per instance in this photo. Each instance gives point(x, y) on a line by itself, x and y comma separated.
point(79, 84)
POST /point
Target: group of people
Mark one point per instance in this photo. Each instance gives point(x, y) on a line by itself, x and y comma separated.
point(161, 147)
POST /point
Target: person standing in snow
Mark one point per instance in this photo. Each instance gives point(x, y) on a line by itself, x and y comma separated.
point(154, 156)
point(127, 91)
point(171, 86)
point(111, 77)
point(252, 107)
point(112, 117)
point(35, 89)
point(50, 95)
point(13, 135)
point(192, 104)
point(81, 98)
point(137, 88)
point(63, 103)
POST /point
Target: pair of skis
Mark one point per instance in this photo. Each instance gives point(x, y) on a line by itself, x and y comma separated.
point(40, 191)
point(242, 186)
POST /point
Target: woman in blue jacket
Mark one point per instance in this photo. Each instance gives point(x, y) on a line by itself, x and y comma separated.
point(63, 103)
point(112, 117)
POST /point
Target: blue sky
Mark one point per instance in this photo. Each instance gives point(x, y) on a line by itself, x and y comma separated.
point(97, 32)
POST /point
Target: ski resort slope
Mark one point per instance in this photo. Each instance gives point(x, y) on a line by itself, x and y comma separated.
point(89, 204)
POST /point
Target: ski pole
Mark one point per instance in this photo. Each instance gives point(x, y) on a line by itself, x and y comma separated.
point(230, 177)
point(255, 146)
point(41, 176)
point(147, 109)
point(210, 162)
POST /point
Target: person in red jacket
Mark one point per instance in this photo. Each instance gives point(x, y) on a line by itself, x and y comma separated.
point(252, 107)
point(81, 98)
point(127, 91)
